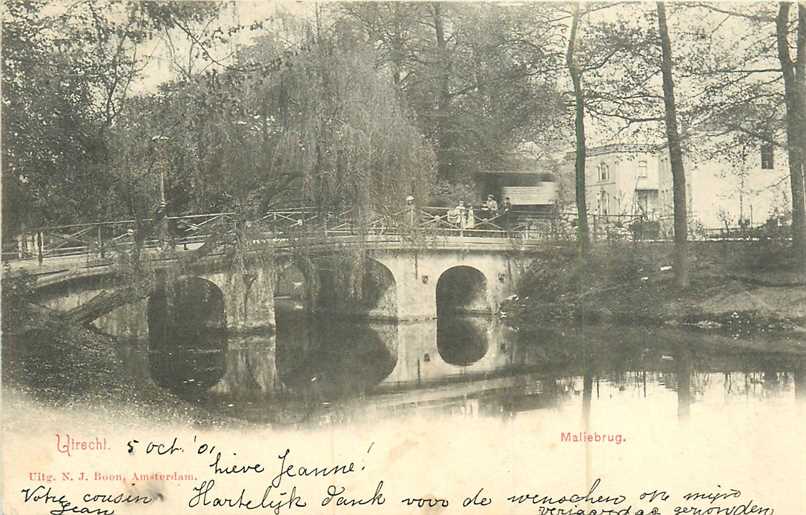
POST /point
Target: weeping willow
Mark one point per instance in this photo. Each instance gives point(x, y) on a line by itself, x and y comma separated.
point(339, 127)
point(325, 129)
point(363, 152)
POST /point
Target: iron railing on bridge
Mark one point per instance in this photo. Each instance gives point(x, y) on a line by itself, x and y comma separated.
point(103, 239)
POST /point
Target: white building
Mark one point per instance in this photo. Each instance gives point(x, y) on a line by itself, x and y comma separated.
point(635, 180)
point(620, 179)
point(721, 193)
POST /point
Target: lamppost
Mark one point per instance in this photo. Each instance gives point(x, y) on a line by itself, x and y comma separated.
point(160, 143)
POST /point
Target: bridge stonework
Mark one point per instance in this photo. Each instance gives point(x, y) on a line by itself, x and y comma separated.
point(417, 274)
point(129, 321)
point(248, 305)
point(249, 302)
point(416, 246)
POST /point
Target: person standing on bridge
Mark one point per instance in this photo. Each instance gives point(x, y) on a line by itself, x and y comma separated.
point(507, 214)
point(471, 218)
point(461, 214)
point(410, 210)
point(492, 206)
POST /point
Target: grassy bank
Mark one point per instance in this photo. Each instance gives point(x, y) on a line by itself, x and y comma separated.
point(740, 287)
point(59, 366)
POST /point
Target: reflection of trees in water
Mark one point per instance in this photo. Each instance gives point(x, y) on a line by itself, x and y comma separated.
point(187, 336)
point(317, 361)
point(462, 341)
point(629, 357)
point(752, 374)
point(683, 369)
point(324, 359)
point(250, 369)
point(800, 379)
point(575, 349)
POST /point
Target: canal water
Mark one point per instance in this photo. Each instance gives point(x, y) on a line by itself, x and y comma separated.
point(449, 407)
point(317, 371)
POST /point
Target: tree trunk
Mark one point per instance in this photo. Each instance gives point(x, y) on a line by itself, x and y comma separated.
point(444, 99)
point(795, 97)
point(675, 156)
point(396, 44)
point(583, 233)
point(800, 83)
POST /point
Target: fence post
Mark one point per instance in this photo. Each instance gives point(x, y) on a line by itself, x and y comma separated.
point(595, 227)
point(22, 243)
point(100, 242)
point(40, 251)
point(184, 240)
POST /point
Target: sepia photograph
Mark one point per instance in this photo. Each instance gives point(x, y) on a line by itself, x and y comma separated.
point(501, 257)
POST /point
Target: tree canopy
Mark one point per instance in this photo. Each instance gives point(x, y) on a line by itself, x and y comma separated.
point(364, 103)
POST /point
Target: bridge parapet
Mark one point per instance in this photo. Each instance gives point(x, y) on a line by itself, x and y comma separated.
point(103, 239)
point(418, 225)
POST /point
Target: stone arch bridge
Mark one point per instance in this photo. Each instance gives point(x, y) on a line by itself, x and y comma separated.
point(420, 263)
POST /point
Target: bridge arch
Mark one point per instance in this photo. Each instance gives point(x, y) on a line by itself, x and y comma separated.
point(289, 281)
point(190, 304)
point(292, 289)
point(378, 287)
point(462, 289)
point(187, 340)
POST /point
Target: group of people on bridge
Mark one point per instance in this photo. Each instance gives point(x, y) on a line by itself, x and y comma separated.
point(465, 216)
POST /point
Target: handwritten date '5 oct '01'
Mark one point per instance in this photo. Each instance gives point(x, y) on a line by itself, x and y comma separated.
point(287, 489)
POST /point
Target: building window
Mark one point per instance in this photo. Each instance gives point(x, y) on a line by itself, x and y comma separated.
point(642, 169)
point(767, 156)
point(604, 203)
point(604, 172)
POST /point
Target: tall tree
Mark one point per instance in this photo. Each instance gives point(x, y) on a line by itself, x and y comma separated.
point(747, 86)
point(794, 75)
point(675, 154)
point(67, 75)
point(476, 77)
point(583, 233)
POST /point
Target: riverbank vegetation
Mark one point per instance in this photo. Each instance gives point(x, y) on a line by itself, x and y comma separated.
point(59, 365)
point(738, 288)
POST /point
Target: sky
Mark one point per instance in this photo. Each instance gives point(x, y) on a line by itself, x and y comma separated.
point(721, 29)
point(235, 13)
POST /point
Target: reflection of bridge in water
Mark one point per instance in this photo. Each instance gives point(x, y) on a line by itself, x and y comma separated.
point(313, 367)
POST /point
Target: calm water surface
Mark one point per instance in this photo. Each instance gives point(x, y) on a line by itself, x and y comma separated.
point(318, 371)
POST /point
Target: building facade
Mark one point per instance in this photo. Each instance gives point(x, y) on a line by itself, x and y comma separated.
point(728, 194)
point(635, 180)
point(620, 180)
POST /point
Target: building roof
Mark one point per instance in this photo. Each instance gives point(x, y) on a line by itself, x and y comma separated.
point(618, 148)
point(507, 172)
point(543, 175)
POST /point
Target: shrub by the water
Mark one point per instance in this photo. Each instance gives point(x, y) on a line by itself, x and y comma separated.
point(17, 293)
point(559, 284)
